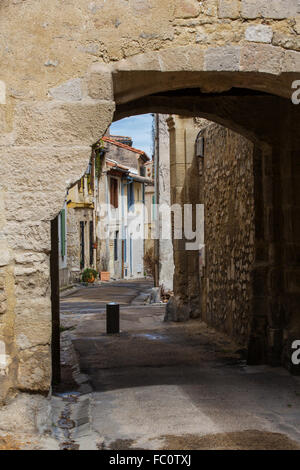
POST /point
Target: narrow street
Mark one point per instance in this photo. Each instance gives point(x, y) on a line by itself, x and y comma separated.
point(161, 385)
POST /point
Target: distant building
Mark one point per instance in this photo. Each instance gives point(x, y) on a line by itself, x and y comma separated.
point(122, 139)
point(103, 222)
point(121, 188)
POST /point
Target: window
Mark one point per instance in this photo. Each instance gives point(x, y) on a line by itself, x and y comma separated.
point(130, 197)
point(114, 199)
point(116, 241)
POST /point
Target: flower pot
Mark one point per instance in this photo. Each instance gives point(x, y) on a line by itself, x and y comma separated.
point(105, 275)
point(91, 280)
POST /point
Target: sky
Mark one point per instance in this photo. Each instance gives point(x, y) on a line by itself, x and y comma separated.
point(137, 127)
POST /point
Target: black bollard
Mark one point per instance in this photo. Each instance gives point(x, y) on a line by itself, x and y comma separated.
point(112, 318)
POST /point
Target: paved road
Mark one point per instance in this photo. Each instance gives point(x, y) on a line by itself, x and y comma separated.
point(160, 385)
point(94, 298)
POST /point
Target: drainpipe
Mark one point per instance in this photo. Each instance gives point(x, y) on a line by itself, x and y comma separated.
point(156, 192)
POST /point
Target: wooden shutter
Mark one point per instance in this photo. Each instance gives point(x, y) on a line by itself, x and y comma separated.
point(114, 192)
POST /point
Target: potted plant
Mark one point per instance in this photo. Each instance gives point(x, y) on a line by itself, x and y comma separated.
point(89, 275)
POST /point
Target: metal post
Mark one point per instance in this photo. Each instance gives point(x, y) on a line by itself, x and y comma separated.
point(112, 318)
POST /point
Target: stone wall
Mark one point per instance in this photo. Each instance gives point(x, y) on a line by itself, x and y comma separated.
point(216, 288)
point(226, 291)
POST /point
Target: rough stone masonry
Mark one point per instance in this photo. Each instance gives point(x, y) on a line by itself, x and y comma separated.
point(66, 68)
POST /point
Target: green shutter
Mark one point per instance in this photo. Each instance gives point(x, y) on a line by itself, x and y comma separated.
point(63, 232)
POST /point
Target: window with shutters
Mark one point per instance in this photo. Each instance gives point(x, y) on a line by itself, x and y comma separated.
point(114, 196)
point(130, 197)
point(116, 242)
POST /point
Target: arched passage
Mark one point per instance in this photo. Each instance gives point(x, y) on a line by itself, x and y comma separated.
point(256, 104)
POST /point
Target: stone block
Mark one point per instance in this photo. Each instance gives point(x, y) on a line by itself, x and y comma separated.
point(99, 86)
point(34, 371)
point(292, 61)
point(287, 41)
point(187, 8)
point(30, 209)
point(33, 326)
point(27, 414)
point(68, 91)
point(39, 192)
point(261, 58)
point(274, 9)
point(182, 58)
point(259, 33)
point(226, 59)
point(48, 123)
point(229, 9)
point(28, 235)
point(146, 62)
point(30, 257)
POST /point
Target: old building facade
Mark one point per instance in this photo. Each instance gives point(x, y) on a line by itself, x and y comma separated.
point(234, 62)
point(120, 209)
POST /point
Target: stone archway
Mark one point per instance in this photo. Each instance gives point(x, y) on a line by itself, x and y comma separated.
point(247, 89)
point(54, 138)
